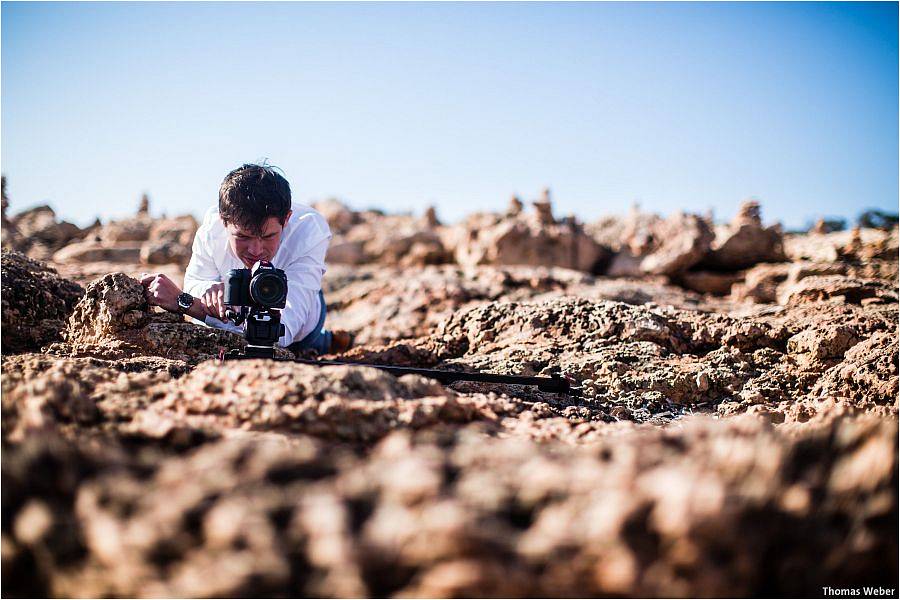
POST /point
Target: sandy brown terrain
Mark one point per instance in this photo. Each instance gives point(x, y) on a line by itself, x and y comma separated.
point(733, 431)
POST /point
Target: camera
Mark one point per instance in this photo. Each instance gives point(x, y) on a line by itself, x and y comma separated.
point(259, 294)
point(263, 286)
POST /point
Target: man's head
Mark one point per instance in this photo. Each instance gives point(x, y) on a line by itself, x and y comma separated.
point(254, 205)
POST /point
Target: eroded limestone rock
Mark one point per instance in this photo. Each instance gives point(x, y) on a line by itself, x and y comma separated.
point(113, 320)
point(533, 238)
point(837, 288)
point(37, 233)
point(745, 241)
point(93, 251)
point(359, 404)
point(682, 241)
point(184, 479)
point(36, 303)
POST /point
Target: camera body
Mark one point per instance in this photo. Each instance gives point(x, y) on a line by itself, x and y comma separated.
point(263, 286)
point(259, 293)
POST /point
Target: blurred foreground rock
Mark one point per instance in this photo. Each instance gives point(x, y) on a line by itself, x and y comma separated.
point(708, 509)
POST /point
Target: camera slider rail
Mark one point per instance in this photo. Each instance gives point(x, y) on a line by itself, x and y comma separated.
point(553, 384)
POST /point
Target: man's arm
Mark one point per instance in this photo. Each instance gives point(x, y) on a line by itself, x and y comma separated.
point(304, 282)
point(162, 291)
point(201, 272)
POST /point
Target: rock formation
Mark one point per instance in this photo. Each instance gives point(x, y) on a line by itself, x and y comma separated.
point(113, 320)
point(36, 303)
point(745, 242)
point(732, 429)
point(530, 238)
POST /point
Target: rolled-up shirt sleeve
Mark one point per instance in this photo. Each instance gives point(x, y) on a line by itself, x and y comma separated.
point(226, 325)
point(201, 272)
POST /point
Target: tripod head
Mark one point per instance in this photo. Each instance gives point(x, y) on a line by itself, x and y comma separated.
point(263, 329)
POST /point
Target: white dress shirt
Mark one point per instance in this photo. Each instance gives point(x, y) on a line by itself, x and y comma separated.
point(301, 255)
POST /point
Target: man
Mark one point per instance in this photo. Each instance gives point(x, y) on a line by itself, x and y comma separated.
point(255, 220)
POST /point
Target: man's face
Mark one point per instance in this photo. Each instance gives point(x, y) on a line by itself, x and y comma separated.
point(251, 246)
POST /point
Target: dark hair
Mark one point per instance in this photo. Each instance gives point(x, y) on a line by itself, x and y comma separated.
point(251, 194)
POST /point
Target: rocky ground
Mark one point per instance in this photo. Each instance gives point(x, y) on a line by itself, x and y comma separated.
point(733, 430)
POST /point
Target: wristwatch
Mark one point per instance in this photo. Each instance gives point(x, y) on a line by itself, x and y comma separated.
point(185, 302)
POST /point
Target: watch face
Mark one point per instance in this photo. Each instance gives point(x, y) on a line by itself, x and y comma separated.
point(185, 301)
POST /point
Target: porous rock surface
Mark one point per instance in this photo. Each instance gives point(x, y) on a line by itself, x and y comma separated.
point(720, 442)
point(36, 302)
point(114, 320)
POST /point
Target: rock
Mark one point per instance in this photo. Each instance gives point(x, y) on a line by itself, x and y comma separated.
point(624, 264)
point(144, 206)
point(113, 320)
point(649, 245)
point(645, 513)
point(90, 251)
point(180, 230)
point(871, 244)
point(868, 373)
point(384, 304)
point(36, 303)
point(389, 240)
point(137, 241)
point(543, 209)
point(822, 346)
point(709, 282)
point(879, 247)
point(430, 218)
point(165, 252)
point(43, 394)
point(515, 207)
point(837, 288)
point(340, 218)
point(526, 239)
point(347, 403)
point(39, 234)
point(763, 282)
point(854, 246)
point(683, 240)
point(708, 439)
point(819, 227)
point(407, 246)
point(347, 253)
point(633, 233)
point(135, 229)
point(745, 242)
point(429, 251)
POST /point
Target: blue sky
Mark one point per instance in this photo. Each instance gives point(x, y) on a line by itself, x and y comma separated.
point(677, 106)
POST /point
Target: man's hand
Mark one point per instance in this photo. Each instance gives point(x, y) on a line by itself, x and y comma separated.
point(161, 291)
point(213, 301)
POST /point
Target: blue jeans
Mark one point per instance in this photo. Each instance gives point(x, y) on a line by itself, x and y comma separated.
point(319, 339)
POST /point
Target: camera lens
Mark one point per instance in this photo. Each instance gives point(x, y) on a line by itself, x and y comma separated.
point(268, 289)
